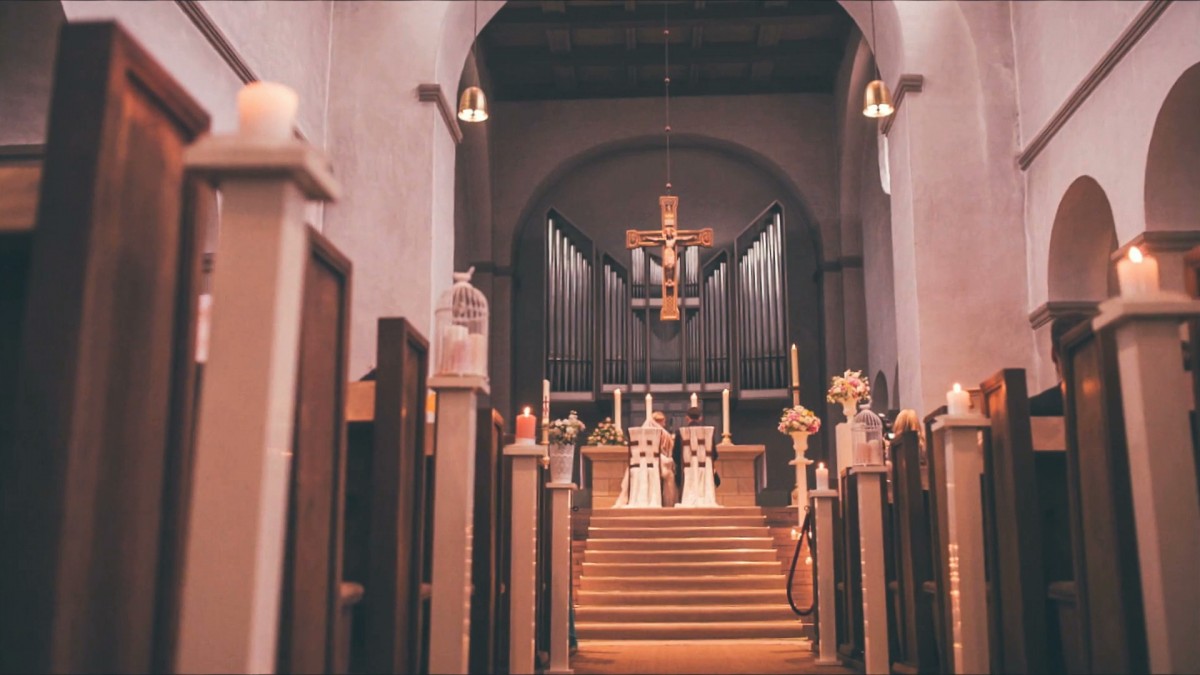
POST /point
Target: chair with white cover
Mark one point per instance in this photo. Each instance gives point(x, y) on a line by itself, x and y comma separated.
point(699, 488)
point(645, 483)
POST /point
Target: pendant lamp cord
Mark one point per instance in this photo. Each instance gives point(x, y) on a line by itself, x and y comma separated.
point(874, 44)
point(667, 89)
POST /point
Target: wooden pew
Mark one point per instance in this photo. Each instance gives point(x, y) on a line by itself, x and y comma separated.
point(1107, 584)
point(313, 595)
point(95, 452)
point(1026, 526)
point(386, 541)
point(916, 644)
point(852, 641)
point(486, 622)
point(938, 590)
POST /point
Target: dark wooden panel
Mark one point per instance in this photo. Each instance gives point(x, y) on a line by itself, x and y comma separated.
point(853, 639)
point(104, 398)
point(1011, 514)
point(1104, 543)
point(389, 482)
point(939, 533)
point(488, 493)
point(915, 628)
point(312, 573)
point(14, 284)
point(1191, 263)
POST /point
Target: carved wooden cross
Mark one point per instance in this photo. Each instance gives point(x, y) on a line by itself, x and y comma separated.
point(670, 239)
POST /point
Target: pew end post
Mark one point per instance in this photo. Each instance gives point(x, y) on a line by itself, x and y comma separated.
point(246, 413)
point(560, 577)
point(522, 609)
point(1162, 469)
point(824, 503)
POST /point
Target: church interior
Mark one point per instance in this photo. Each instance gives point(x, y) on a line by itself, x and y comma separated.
point(599, 336)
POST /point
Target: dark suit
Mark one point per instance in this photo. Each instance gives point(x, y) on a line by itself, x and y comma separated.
point(677, 454)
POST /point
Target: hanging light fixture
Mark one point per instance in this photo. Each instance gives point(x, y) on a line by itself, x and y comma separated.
point(877, 102)
point(472, 105)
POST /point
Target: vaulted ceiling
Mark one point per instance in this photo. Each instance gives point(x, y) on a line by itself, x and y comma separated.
point(537, 50)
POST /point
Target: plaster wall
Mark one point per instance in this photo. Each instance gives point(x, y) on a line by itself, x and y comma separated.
point(878, 273)
point(1108, 138)
point(28, 39)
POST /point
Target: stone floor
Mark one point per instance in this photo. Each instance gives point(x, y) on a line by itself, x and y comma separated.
point(698, 656)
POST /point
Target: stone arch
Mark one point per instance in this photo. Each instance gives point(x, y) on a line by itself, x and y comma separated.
point(880, 399)
point(1172, 188)
point(1082, 241)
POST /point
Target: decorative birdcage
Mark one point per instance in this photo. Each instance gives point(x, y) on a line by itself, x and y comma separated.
point(867, 437)
point(462, 329)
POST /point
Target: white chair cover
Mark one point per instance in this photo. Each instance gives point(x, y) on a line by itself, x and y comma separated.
point(645, 484)
point(699, 488)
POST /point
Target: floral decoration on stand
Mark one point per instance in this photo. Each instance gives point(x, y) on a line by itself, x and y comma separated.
point(568, 431)
point(799, 419)
point(848, 389)
point(606, 433)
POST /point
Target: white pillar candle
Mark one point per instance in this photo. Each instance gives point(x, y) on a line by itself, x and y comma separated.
point(617, 408)
point(822, 477)
point(545, 402)
point(695, 401)
point(795, 367)
point(1137, 274)
point(649, 406)
point(267, 111)
point(958, 402)
point(479, 353)
point(725, 410)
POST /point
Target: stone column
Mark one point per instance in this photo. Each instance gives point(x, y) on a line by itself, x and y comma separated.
point(957, 438)
point(560, 577)
point(233, 561)
point(453, 522)
point(1162, 470)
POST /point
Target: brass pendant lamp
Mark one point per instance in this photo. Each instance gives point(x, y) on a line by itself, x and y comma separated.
point(472, 105)
point(877, 102)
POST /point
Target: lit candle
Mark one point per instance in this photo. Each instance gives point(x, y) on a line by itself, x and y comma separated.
point(725, 410)
point(617, 409)
point(795, 367)
point(478, 353)
point(649, 406)
point(958, 402)
point(545, 402)
point(526, 428)
point(695, 401)
point(1137, 274)
point(203, 323)
point(822, 477)
point(267, 111)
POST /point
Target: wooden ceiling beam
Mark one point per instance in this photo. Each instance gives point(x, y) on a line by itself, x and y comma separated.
point(618, 16)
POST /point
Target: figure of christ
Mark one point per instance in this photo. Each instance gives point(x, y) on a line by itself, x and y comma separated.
point(671, 240)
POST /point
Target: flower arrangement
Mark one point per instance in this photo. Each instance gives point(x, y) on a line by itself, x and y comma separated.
point(849, 386)
point(799, 419)
point(606, 433)
point(568, 431)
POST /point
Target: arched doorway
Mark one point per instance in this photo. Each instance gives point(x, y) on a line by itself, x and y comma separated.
point(1173, 163)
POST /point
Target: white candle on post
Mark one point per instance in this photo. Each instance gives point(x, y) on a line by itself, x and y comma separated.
point(796, 374)
point(1137, 274)
point(617, 409)
point(958, 402)
point(649, 406)
point(822, 477)
point(726, 435)
point(267, 112)
point(695, 401)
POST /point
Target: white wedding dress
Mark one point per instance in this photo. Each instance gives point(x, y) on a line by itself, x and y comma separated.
point(699, 487)
point(642, 487)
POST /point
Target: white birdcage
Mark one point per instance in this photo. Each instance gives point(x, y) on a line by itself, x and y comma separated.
point(462, 329)
point(867, 436)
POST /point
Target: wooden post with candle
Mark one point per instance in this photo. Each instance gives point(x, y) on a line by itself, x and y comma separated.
point(522, 606)
point(229, 622)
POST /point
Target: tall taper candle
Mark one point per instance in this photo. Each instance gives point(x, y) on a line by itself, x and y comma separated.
point(649, 406)
point(617, 408)
point(795, 367)
point(546, 411)
point(695, 401)
point(726, 435)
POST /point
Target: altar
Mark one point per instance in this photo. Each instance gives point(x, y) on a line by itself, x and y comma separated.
point(604, 467)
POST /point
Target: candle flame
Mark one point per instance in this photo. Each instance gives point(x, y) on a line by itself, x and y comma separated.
point(526, 410)
point(821, 465)
point(1135, 255)
point(957, 387)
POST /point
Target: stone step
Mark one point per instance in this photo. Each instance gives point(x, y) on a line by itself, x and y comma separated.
point(664, 532)
point(669, 556)
point(684, 571)
point(696, 630)
point(676, 544)
point(697, 598)
point(689, 613)
point(775, 581)
point(680, 511)
point(677, 521)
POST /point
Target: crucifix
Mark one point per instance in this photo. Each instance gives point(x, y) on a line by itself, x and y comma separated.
point(670, 239)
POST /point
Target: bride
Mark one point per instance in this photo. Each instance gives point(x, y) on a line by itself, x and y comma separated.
point(666, 446)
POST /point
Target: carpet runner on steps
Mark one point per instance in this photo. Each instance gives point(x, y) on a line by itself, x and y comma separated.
point(671, 574)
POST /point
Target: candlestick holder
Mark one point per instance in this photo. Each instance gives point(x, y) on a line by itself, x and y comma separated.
point(726, 438)
point(546, 433)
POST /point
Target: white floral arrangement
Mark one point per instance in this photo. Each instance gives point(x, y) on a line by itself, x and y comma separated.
point(568, 431)
point(606, 433)
point(849, 386)
point(800, 419)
